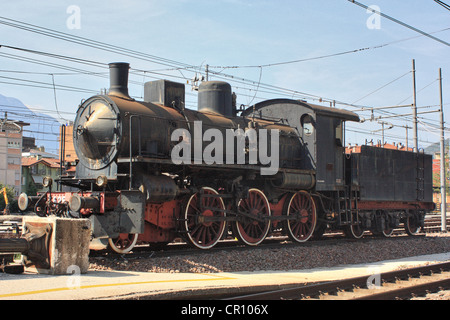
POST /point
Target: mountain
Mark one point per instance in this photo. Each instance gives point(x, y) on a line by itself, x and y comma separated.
point(43, 127)
point(436, 147)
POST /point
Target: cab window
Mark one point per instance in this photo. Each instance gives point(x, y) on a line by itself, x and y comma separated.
point(308, 124)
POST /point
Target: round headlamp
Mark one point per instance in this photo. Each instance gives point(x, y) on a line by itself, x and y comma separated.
point(101, 181)
point(47, 182)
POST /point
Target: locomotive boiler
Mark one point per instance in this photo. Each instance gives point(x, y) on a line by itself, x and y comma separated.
point(153, 170)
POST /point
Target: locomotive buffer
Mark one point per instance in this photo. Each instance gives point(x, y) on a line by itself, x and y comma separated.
point(47, 245)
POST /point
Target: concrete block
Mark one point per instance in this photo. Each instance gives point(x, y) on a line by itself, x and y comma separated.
point(67, 244)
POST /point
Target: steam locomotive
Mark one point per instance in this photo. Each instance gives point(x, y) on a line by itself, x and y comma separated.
point(151, 171)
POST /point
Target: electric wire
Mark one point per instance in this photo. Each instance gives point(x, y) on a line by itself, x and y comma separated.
point(446, 6)
point(176, 65)
point(136, 54)
point(89, 42)
point(382, 87)
point(104, 46)
point(400, 22)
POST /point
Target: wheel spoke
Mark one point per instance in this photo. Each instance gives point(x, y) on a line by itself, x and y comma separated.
point(302, 207)
point(123, 244)
point(253, 231)
point(201, 233)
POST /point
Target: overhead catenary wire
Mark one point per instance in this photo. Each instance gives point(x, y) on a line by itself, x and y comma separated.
point(135, 71)
point(89, 42)
point(278, 90)
point(45, 85)
point(446, 6)
point(56, 100)
point(382, 87)
point(58, 56)
point(174, 64)
point(400, 22)
point(260, 87)
point(331, 55)
point(151, 58)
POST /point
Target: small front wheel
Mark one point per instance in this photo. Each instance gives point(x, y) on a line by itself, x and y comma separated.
point(124, 243)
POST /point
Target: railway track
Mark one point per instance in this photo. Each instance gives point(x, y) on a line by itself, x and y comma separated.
point(11, 226)
point(180, 248)
point(395, 285)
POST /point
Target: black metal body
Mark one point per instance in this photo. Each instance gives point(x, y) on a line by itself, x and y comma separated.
point(320, 131)
point(392, 175)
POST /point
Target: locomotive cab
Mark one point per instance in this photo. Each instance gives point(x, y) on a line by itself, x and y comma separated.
point(321, 132)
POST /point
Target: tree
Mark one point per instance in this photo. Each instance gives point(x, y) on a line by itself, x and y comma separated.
point(13, 205)
point(437, 175)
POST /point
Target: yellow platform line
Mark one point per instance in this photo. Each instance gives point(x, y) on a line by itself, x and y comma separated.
point(214, 278)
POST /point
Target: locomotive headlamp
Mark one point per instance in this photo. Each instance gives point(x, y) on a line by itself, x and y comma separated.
point(101, 181)
point(47, 182)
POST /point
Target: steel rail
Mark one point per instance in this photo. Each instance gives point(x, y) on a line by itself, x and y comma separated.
point(333, 287)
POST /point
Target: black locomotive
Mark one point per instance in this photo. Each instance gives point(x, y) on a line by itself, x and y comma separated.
point(151, 171)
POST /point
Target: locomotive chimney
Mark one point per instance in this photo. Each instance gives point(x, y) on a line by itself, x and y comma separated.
point(118, 79)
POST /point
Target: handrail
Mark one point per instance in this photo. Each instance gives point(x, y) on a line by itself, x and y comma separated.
point(131, 146)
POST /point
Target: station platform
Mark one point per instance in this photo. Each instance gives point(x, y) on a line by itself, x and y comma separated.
point(116, 285)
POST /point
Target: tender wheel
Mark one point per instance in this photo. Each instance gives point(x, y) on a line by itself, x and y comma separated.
point(412, 223)
point(388, 231)
point(354, 231)
point(249, 230)
point(124, 243)
point(300, 205)
point(201, 232)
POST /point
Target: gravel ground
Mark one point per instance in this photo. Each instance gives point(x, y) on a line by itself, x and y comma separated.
point(289, 258)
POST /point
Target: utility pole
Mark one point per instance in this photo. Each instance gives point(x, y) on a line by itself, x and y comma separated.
point(416, 143)
point(207, 72)
point(406, 140)
point(443, 190)
point(383, 123)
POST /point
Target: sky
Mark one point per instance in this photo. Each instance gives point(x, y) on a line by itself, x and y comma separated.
point(245, 42)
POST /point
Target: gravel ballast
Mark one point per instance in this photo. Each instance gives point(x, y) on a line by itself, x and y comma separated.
point(296, 257)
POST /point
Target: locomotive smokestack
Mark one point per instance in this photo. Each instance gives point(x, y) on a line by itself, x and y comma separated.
point(118, 79)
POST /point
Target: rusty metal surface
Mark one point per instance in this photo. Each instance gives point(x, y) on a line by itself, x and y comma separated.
point(395, 205)
point(35, 244)
point(17, 245)
point(39, 238)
